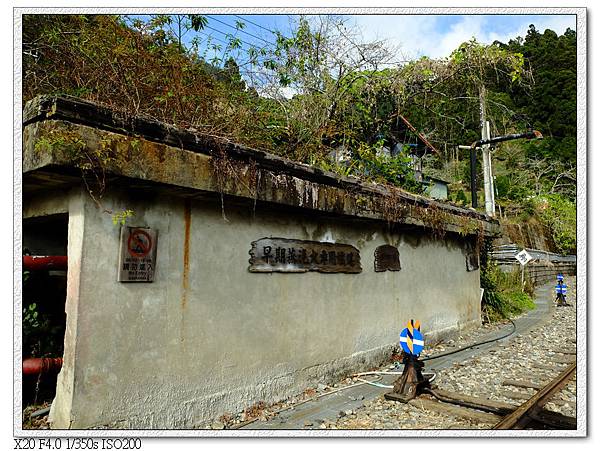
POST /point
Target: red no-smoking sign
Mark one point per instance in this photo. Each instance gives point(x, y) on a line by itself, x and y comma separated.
point(137, 254)
point(139, 243)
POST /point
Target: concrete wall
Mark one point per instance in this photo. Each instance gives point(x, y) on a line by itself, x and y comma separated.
point(207, 336)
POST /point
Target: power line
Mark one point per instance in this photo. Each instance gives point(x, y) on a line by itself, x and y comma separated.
point(255, 24)
point(212, 37)
point(240, 64)
point(229, 34)
point(239, 29)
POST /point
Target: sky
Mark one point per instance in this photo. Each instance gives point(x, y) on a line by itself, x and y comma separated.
point(435, 36)
point(412, 36)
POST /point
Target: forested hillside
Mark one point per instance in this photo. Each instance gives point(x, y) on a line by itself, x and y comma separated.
point(320, 95)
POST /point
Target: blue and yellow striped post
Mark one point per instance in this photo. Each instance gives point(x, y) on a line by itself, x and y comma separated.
point(411, 382)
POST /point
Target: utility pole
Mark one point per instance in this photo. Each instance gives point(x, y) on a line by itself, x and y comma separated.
point(473, 148)
point(488, 181)
point(473, 157)
point(486, 162)
point(485, 144)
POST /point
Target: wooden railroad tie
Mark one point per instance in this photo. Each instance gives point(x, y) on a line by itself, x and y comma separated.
point(521, 384)
point(449, 409)
point(563, 359)
point(483, 410)
point(565, 351)
point(515, 395)
point(544, 366)
point(532, 409)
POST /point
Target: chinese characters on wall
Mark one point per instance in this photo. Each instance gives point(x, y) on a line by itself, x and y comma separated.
point(285, 255)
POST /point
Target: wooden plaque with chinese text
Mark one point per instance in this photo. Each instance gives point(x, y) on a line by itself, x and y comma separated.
point(286, 255)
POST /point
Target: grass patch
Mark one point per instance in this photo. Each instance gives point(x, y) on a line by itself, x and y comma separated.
point(503, 297)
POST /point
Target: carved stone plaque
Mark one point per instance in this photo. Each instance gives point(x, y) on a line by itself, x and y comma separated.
point(285, 255)
point(387, 258)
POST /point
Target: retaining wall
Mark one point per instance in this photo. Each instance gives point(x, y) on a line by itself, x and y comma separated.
point(542, 268)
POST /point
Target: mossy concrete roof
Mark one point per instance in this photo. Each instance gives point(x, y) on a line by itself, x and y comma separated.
point(64, 135)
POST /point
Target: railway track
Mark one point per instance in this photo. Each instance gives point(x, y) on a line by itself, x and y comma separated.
point(478, 389)
point(500, 415)
point(532, 412)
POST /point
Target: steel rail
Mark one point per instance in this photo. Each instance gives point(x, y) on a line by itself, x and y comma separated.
point(527, 411)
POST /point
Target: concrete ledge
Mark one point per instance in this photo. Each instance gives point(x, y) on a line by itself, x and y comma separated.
point(63, 136)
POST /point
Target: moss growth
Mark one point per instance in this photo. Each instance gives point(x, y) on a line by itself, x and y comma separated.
point(435, 219)
point(469, 226)
point(393, 208)
point(64, 142)
point(231, 173)
point(69, 143)
point(97, 153)
point(92, 161)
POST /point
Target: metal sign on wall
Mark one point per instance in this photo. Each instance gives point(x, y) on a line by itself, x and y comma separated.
point(137, 254)
point(285, 255)
point(387, 258)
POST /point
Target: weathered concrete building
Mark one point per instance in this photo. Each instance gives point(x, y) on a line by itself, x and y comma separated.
point(240, 277)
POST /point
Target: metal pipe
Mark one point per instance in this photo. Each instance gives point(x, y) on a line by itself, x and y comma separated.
point(39, 413)
point(34, 366)
point(533, 134)
point(38, 262)
point(419, 134)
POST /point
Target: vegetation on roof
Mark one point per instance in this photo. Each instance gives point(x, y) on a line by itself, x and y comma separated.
point(322, 96)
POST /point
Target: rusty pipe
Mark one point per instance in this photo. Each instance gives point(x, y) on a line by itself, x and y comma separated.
point(34, 366)
point(39, 262)
point(419, 134)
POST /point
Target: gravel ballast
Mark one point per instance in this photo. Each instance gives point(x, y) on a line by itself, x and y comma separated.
point(536, 356)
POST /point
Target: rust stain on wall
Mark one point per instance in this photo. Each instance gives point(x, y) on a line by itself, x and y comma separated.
point(187, 219)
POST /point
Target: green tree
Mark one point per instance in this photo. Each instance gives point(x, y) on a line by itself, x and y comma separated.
point(551, 104)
